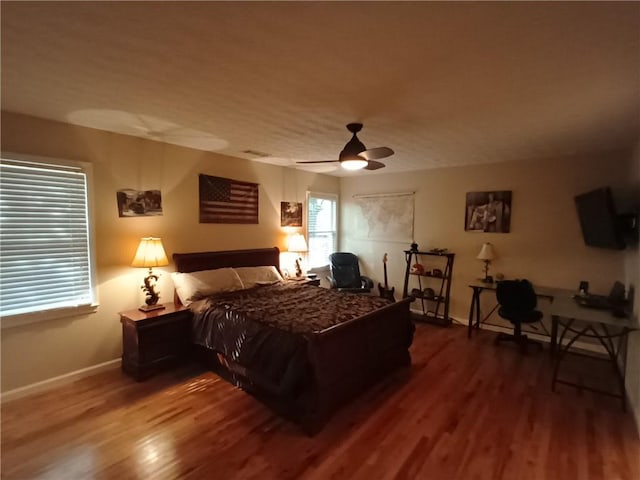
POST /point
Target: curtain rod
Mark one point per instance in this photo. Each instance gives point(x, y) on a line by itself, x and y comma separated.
point(370, 195)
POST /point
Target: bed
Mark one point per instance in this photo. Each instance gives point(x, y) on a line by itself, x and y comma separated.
point(302, 350)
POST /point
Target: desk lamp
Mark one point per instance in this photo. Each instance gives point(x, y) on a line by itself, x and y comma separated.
point(150, 254)
point(296, 243)
point(486, 255)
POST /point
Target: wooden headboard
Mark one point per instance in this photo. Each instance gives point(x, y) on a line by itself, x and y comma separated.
point(193, 262)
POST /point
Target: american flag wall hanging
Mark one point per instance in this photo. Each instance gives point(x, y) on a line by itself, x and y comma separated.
point(223, 200)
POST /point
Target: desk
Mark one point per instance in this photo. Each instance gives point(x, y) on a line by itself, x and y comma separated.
point(479, 286)
point(576, 322)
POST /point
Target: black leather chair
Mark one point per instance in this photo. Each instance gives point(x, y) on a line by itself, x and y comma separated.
point(345, 274)
point(518, 303)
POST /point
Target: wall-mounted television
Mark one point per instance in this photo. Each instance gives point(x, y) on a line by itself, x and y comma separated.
point(598, 219)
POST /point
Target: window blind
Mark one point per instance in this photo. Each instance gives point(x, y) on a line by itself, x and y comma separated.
point(322, 228)
point(44, 237)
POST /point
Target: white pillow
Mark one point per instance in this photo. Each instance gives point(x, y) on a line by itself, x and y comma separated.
point(195, 285)
point(252, 276)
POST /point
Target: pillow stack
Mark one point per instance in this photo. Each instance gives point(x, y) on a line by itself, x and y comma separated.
point(196, 285)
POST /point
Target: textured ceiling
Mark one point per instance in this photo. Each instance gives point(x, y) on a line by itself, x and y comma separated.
point(443, 84)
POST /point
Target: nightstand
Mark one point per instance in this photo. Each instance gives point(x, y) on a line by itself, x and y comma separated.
point(153, 341)
point(305, 281)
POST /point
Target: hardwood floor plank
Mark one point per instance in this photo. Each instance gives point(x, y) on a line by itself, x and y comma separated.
point(465, 409)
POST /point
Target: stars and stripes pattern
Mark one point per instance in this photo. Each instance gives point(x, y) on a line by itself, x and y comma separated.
point(223, 200)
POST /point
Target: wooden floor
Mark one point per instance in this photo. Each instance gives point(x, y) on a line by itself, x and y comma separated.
point(465, 410)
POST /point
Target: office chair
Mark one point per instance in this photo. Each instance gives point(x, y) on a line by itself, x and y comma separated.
point(518, 303)
point(345, 274)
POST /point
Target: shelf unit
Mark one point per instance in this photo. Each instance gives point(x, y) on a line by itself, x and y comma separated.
point(435, 308)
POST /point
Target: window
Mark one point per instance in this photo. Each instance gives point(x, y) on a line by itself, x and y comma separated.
point(322, 227)
point(45, 255)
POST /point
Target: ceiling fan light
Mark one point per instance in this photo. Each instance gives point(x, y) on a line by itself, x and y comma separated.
point(354, 164)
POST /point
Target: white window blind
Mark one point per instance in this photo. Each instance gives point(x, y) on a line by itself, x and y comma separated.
point(44, 237)
point(322, 228)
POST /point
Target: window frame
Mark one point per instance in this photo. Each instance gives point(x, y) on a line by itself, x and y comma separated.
point(336, 199)
point(18, 319)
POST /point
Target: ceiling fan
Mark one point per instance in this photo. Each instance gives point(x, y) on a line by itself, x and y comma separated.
point(355, 156)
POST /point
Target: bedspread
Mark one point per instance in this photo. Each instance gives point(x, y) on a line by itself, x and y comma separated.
point(265, 330)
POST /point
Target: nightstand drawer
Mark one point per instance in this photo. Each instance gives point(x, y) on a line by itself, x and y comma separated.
point(159, 341)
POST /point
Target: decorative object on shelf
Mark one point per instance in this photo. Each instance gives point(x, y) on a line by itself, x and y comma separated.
point(414, 247)
point(417, 269)
point(135, 203)
point(290, 214)
point(150, 254)
point(488, 212)
point(297, 244)
point(438, 250)
point(223, 200)
point(428, 293)
point(486, 255)
point(436, 272)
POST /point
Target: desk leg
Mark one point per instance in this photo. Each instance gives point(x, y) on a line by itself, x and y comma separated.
point(554, 335)
point(475, 305)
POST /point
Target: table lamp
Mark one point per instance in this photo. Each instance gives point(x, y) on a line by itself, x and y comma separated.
point(486, 255)
point(296, 243)
point(150, 254)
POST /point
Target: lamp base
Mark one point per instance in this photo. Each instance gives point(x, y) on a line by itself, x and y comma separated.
point(149, 308)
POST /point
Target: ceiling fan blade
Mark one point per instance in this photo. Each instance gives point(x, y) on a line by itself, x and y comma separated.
point(376, 153)
point(321, 161)
point(373, 165)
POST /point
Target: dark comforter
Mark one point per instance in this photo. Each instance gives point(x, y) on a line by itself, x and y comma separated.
point(264, 332)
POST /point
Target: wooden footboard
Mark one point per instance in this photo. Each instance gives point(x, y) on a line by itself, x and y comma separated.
point(350, 357)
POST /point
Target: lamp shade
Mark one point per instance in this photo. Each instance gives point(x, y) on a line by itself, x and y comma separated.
point(296, 243)
point(150, 253)
point(486, 252)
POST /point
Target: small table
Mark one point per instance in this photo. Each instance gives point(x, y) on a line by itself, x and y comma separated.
point(153, 341)
point(304, 281)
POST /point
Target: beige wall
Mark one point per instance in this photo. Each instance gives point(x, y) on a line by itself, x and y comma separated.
point(37, 352)
point(545, 243)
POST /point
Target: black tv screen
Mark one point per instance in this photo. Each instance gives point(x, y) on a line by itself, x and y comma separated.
point(598, 219)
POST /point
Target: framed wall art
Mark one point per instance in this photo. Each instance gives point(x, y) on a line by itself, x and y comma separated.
point(488, 212)
point(223, 200)
point(139, 203)
point(290, 214)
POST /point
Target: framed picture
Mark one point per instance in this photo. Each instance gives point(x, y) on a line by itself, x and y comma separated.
point(223, 200)
point(290, 214)
point(139, 203)
point(488, 212)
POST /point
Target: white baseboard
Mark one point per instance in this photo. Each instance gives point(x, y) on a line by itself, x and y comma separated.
point(50, 383)
point(596, 348)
